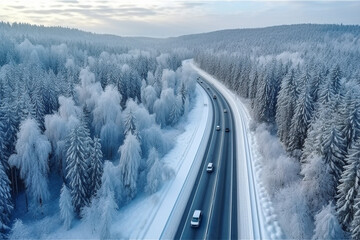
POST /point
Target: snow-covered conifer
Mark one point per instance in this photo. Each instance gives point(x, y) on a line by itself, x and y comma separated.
point(96, 167)
point(286, 106)
point(176, 111)
point(334, 150)
point(129, 164)
point(31, 158)
point(355, 223)
point(66, 207)
point(108, 206)
point(265, 99)
point(77, 167)
point(300, 121)
point(326, 224)
point(129, 121)
point(348, 187)
point(6, 205)
point(148, 97)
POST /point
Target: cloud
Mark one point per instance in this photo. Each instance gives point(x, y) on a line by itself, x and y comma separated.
point(159, 18)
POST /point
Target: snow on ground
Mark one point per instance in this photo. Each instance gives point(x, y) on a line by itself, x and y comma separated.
point(146, 216)
point(256, 217)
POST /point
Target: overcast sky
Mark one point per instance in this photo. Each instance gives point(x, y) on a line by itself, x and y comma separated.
point(173, 18)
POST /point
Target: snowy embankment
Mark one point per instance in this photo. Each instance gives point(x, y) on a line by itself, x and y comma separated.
point(147, 216)
point(256, 217)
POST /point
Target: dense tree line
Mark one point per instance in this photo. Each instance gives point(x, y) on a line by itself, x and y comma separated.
point(93, 115)
point(309, 92)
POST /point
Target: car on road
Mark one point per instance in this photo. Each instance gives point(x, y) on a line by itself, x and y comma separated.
point(227, 130)
point(225, 110)
point(208, 88)
point(196, 218)
point(214, 97)
point(210, 167)
point(218, 128)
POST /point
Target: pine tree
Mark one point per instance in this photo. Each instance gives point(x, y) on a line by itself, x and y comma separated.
point(349, 187)
point(264, 99)
point(355, 223)
point(31, 158)
point(109, 206)
point(6, 205)
point(286, 106)
point(349, 118)
point(96, 167)
point(253, 87)
point(329, 90)
point(77, 167)
point(154, 178)
point(38, 105)
point(334, 150)
point(66, 208)
point(300, 121)
point(25, 107)
point(3, 153)
point(129, 122)
point(175, 112)
point(316, 81)
point(8, 117)
point(183, 92)
point(335, 78)
point(326, 224)
point(129, 164)
point(315, 136)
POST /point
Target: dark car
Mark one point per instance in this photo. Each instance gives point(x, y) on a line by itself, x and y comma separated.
point(227, 130)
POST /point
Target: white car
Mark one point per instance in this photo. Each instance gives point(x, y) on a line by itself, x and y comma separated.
point(210, 167)
point(196, 218)
point(225, 111)
point(217, 128)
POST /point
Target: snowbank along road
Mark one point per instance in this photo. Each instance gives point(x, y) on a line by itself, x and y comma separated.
point(215, 193)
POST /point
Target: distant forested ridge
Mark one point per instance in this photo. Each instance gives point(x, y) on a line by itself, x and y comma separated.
point(304, 81)
point(84, 121)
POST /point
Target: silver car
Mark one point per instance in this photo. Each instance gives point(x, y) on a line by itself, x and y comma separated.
point(210, 167)
point(196, 218)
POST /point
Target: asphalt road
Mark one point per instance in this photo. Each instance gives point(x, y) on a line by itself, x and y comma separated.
point(215, 193)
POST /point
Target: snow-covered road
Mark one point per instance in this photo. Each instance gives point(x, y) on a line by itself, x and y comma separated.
point(255, 212)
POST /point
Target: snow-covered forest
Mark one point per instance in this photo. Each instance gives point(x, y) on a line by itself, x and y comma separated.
point(302, 83)
point(84, 122)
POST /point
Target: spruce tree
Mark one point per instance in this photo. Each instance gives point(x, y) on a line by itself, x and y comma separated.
point(349, 118)
point(175, 112)
point(300, 121)
point(355, 223)
point(286, 106)
point(349, 187)
point(326, 224)
point(334, 150)
point(77, 163)
point(129, 164)
point(129, 122)
point(96, 167)
point(66, 208)
point(6, 205)
point(31, 158)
